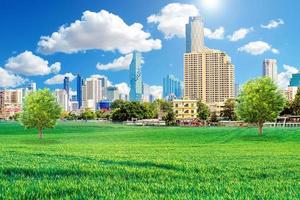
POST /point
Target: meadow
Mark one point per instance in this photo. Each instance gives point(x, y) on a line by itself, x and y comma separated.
point(97, 161)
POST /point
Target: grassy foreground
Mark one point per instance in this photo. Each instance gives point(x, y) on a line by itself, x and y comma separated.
point(96, 161)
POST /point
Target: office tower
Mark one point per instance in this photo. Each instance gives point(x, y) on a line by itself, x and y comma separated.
point(295, 81)
point(172, 87)
point(112, 93)
point(10, 103)
point(62, 98)
point(146, 92)
point(79, 90)
point(67, 85)
point(31, 87)
point(270, 69)
point(290, 93)
point(92, 93)
point(136, 83)
point(104, 85)
point(236, 90)
point(194, 35)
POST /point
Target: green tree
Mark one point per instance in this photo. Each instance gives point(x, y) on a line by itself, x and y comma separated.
point(88, 115)
point(40, 111)
point(296, 104)
point(229, 110)
point(170, 118)
point(203, 111)
point(287, 110)
point(260, 101)
point(213, 117)
point(117, 104)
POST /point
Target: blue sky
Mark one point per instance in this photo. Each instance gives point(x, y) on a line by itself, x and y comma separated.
point(24, 22)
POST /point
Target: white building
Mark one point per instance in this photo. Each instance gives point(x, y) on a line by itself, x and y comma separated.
point(112, 93)
point(270, 69)
point(10, 103)
point(92, 93)
point(195, 35)
point(62, 99)
point(290, 93)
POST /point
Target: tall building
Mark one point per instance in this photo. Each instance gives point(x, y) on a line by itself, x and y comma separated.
point(172, 87)
point(112, 93)
point(92, 93)
point(10, 103)
point(79, 90)
point(146, 92)
point(31, 86)
point(290, 93)
point(295, 81)
point(62, 98)
point(270, 69)
point(208, 73)
point(67, 85)
point(136, 83)
point(194, 35)
point(104, 85)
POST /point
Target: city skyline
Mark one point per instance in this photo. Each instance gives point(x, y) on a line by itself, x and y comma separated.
point(248, 41)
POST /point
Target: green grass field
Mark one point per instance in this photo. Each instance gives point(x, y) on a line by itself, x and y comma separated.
point(96, 161)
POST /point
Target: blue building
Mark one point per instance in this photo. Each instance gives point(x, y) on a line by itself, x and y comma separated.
point(295, 81)
point(67, 85)
point(172, 87)
point(79, 90)
point(136, 81)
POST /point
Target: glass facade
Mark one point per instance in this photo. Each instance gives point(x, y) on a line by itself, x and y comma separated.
point(79, 90)
point(136, 81)
point(172, 87)
point(295, 81)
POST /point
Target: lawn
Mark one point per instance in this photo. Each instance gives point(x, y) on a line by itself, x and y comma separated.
point(96, 161)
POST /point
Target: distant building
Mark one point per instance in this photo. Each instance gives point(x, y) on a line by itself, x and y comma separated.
point(146, 93)
point(195, 35)
point(62, 99)
point(112, 93)
point(10, 103)
point(31, 86)
point(295, 81)
point(104, 85)
point(270, 69)
point(172, 87)
point(290, 93)
point(236, 90)
point(67, 85)
point(92, 93)
point(136, 82)
point(79, 90)
point(185, 109)
point(73, 106)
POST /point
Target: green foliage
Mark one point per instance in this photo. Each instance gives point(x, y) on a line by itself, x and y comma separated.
point(88, 115)
point(170, 118)
point(296, 104)
point(117, 104)
point(100, 114)
point(229, 110)
point(203, 111)
point(40, 111)
point(287, 110)
point(99, 161)
point(260, 101)
point(213, 117)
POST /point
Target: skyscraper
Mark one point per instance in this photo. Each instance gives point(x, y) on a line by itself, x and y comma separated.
point(295, 81)
point(112, 93)
point(194, 35)
point(62, 99)
point(79, 90)
point(92, 93)
point(270, 69)
point(67, 85)
point(136, 83)
point(172, 87)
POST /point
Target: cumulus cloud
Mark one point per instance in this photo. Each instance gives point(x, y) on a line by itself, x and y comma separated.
point(121, 63)
point(98, 30)
point(240, 34)
point(172, 19)
point(59, 79)
point(257, 48)
point(8, 80)
point(29, 64)
point(273, 24)
point(123, 88)
point(217, 34)
point(156, 91)
point(285, 77)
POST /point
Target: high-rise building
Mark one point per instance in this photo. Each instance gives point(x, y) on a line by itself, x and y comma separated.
point(62, 98)
point(208, 73)
point(67, 85)
point(194, 35)
point(104, 85)
point(295, 81)
point(236, 90)
point(270, 69)
point(31, 86)
point(112, 93)
point(92, 93)
point(10, 103)
point(136, 83)
point(290, 93)
point(172, 87)
point(146, 92)
point(79, 90)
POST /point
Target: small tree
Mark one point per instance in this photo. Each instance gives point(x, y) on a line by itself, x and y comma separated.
point(213, 117)
point(260, 101)
point(40, 111)
point(203, 111)
point(170, 118)
point(296, 104)
point(229, 110)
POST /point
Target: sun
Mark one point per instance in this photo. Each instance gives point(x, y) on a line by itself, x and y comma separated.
point(210, 4)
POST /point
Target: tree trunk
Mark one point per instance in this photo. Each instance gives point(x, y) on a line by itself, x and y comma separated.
point(260, 128)
point(40, 133)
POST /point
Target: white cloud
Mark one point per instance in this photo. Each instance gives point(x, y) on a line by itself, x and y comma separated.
point(121, 63)
point(240, 34)
point(59, 79)
point(285, 77)
point(123, 88)
point(172, 19)
point(99, 30)
point(273, 24)
point(29, 64)
point(217, 34)
point(257, 48)
point(8, 80)
point(156, 91)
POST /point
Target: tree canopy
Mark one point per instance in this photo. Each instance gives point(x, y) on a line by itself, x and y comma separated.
point(203, 111)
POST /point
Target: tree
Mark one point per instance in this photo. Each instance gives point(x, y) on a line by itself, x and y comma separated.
point(117, 104)
point(88, 115)
point(40, 111)
point(229, 110)
point(170, 118)
point(260, 101)
point(213, 117)
point(203, 111)
point(296, 104)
